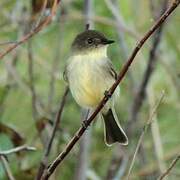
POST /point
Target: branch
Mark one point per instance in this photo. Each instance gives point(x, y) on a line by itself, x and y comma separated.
point(149, 121)
point(17, 149)
point(140, 95)
point(7, 168)
point(121, 75)
point(170, 168)
point(31, 80)
point(82, 164)
point(113, 7)
point(44, 160)
point(57, 57)
point(37, 29)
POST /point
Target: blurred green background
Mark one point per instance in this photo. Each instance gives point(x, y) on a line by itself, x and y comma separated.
point(37, 67)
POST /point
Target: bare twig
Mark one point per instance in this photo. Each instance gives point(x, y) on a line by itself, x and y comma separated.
point(152, 167)
point(17, 149)
point(103, 20)
point(41, 25)
point(121, 75)
point(7, 168)
point(118, 164)
point(83, 154)
point(156, 137)
point(44, 161)
point(112, 5)
point(170, 168)
point(8, 42)
point(56, 60)
point(149, 121)
point(31, 79)
point(141, 92)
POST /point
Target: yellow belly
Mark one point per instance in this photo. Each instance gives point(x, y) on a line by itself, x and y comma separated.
point(88, 88)
point(88, 81)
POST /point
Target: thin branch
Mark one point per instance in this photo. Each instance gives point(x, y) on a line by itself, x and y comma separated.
point(121, 75)
point(170, 168)
point(7, 168)
point(17, 149)
point(44, 160)
point(31, 79)
point(75, 15)
point(152, 168)
point(149, 121)
point(141, 92)
point(113, 7)
point(56, 60)
point(83, 154)
point(41, 25)
point(156, 137)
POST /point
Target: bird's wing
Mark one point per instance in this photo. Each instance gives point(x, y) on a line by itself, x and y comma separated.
point(65, 77)
point(111, 70)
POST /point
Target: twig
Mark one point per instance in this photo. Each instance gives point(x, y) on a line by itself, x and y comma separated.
point(31, 79)
point(56, 60)
point(118, 164)
point(149, 121)
point(103, 20)
point(170, 168)
point(7, 168)
point(8, 42)
point(44, 161)
point(34, 102)
point(112, 5)
point(83, 154)
point(41, 25)
point(141, 92)
point(17, 149)
point(156, 137)
point(152, 167)
point(121, 75)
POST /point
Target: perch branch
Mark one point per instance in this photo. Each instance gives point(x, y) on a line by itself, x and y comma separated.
point(121, 75)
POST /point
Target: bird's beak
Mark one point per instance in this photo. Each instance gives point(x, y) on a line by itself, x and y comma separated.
point(108, 41)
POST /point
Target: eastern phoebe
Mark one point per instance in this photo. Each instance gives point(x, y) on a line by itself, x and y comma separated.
point(89, 73)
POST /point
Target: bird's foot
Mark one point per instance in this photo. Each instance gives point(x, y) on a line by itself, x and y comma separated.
point(85, 124)
point(107, 94)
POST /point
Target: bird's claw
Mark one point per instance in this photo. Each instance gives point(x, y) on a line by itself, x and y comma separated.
point(107, 94)
point(84, 124)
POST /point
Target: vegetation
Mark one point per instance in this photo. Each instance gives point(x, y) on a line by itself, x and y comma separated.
point(32, 89)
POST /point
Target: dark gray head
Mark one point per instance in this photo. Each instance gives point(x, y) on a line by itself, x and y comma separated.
point(89, 40)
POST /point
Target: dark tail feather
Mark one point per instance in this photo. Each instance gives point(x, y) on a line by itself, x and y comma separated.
point(113, 131)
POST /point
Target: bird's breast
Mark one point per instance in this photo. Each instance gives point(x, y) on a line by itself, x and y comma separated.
point(88, 80)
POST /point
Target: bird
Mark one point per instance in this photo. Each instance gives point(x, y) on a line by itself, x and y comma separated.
point(90, 73)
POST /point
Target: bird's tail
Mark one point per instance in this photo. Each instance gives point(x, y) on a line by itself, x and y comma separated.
point(113, 131)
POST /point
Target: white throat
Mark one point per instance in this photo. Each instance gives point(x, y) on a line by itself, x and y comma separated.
point(95, 54)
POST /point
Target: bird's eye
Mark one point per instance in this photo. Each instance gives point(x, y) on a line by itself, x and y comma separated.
point(90, 41)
